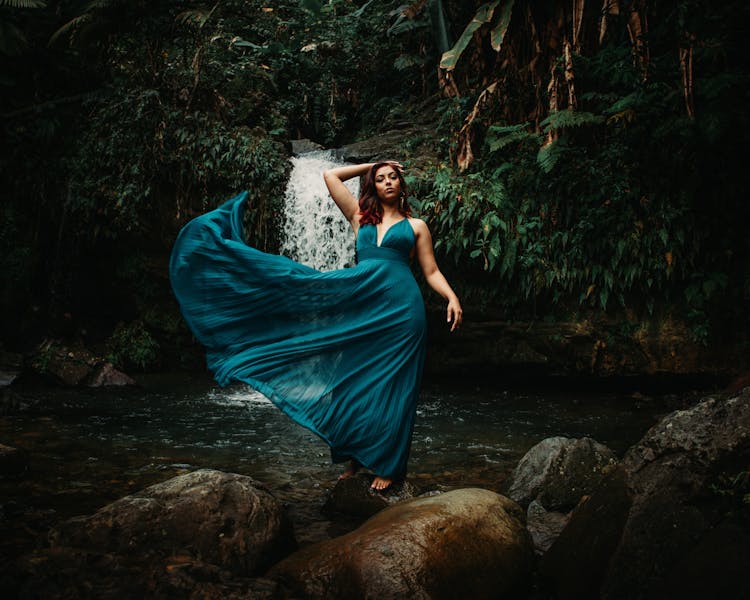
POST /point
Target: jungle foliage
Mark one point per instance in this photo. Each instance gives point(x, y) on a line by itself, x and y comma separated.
point(588, 148)
point(620, 188)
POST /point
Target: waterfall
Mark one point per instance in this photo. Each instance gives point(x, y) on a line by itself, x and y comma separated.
point(315, 232)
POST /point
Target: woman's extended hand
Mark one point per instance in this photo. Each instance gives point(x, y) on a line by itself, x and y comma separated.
point(455, 313)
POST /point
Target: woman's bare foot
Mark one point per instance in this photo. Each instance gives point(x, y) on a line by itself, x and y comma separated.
point(351, 470)
point(381, 483)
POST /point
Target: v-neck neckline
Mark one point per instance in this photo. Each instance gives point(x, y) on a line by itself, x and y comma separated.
point(385, 233)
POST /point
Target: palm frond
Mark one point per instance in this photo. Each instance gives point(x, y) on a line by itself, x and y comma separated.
point(23, 3)
point(70, 28)
point(12, 40)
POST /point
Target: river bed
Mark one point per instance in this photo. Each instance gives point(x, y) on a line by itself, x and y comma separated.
point(88, 447)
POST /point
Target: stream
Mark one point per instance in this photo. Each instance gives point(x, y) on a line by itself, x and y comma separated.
point(88, 447)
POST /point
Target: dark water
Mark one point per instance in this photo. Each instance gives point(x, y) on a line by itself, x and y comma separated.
point(89, 447)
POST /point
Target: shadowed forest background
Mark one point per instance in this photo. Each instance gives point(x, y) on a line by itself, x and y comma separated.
point(574, 160)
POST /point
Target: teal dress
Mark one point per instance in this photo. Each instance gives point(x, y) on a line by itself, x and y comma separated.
point(341, 352)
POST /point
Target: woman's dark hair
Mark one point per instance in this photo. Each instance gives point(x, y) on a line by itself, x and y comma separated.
point(369, 204)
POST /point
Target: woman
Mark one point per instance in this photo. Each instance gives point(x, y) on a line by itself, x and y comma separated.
point(340, 352)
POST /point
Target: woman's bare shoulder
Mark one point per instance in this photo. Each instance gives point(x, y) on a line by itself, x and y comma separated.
point(418, 225)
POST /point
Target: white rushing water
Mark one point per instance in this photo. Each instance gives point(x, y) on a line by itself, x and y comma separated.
point(315, 232)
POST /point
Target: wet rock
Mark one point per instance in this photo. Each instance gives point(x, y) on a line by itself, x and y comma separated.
point(558, 471)
point(353, 496)
point(671, 516)
point(7, 377)
point(107, 375)
point(10, 367)
point(67, 365)
point(76, 573)
point(224, 518)
point(304, 145)
point(468, 543)
point(13, 461)
point(544, 526)
point(205, 534)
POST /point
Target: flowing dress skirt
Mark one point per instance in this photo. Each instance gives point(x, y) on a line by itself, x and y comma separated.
point(341, 352)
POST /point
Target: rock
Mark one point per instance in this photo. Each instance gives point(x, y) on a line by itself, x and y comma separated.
point(304, 145)
point(11, 364)
point(558, 471)
point(353, 496)
point(671, 516)
point(223, 518)
point(13, 461)
point(516, 350)
point(544, 526)
point(206, 534)
point(68, 365)
point(8, 377)
point(396, 144)
point(465, 543)
point(107, 375)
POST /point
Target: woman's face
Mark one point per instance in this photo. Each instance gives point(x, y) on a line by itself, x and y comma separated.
point(387, 184)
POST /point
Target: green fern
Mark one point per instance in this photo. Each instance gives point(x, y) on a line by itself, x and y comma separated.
point(570, 119)
point(549, 154)
point(500, 136)
point(24, 3)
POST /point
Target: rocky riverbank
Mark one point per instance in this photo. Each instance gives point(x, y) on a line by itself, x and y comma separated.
point(668, 518)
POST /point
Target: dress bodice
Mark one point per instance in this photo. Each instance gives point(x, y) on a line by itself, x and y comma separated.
point(396, 244)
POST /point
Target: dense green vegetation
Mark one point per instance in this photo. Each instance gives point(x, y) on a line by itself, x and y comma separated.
point(585, 158)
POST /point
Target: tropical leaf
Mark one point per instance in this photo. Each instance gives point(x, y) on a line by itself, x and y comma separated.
point(71, 27)
point(402, 25)
point(570, 119)
point(498, 31)
point(358, 13)
point(482, 16)
point(12, 40)
point(193, 17)
point(312, 6)
point(406, 61)
point(24, 3)
point(500, 136)
point(550, 153)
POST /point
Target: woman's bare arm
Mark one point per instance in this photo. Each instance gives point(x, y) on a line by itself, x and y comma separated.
point(341, 195)
point(435, 279)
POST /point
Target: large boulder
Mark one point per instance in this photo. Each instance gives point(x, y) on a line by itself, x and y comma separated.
point(204, 528)
point(468, 543)
point(225, 518)
point(671, 520)
point(558, 471)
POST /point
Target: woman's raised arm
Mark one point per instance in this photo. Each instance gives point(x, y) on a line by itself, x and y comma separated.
point(341, 195)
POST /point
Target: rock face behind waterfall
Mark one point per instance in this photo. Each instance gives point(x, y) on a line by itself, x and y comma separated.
point(193, 530)
point(672, 521)
point(468, 543)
